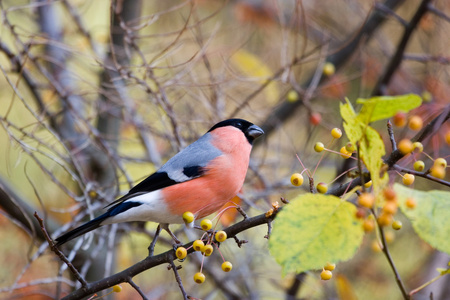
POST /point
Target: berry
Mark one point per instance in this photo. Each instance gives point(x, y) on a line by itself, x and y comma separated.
point(199, 278)
point(360, 213)
point(344, 153)
point(389, 236)
point(188, 217)
point(326, 275)
point(318, 147)
point(207, 250)
point(390, 207)
point(93, 194)
point(227, 266)
point(427, 96)
point(330, 266)
point(419, 166)
point(397, 225)
point(315, 119)
point(181, 253)
point(336, 133)
point(366, 200)
point(389, 194)
point(410, 203)
point(399, 119)
point(438, 172)
point(384, 219)
point(350, 147)
point(221, 236)
point(198, 245)
point(408, 179)
point(206, 224)
point(117, 288)
point(368, 184)
point(440, 162)
point(447, 137)
point(292, 96)
point(368, 225)
point(297, 179)
point(322, 187)
point(415, 123)
point(417, 147)
point(405, 146)
point(376, 247)
point(328, 69)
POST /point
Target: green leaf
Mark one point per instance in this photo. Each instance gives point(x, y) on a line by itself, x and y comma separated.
point(430, 218)
point(384, 107)
point(315, 229)
point(371, 145)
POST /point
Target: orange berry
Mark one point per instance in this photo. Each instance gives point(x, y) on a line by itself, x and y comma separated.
point(415, 123)
point(405, 146)
point(360, 213)
point(438, 172)
point(366, 200)
point(376, 247)
point(389, 236)
point(389, 194)
point(390, 207)
point(384, 219)
point(315, 119)
point(410, 203)
point(399, 119)
point(368, 225)
point(447, 137)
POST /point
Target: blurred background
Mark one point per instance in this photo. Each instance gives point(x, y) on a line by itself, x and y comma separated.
point(96, 95)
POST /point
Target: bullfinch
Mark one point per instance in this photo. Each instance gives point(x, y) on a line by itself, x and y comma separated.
point(200, 179)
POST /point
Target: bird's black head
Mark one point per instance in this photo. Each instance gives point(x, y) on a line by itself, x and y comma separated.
point(250, 130)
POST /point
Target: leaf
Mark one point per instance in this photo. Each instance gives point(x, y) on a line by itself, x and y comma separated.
point(250, 65)
point(371, 145)
point(384, 107)
point(314, 229)
point(430, 217)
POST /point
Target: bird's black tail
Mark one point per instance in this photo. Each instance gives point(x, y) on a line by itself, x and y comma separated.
point(85, 228)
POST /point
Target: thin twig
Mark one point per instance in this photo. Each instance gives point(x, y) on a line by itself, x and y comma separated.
point(391, 135)
point(178, 279)
point(137, 288)
point(421, 174)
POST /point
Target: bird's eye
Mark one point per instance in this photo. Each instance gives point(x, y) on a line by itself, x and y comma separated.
point(239, 124)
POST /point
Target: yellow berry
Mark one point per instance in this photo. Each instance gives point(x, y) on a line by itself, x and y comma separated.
point(440, 162)
point(319, 147)
point(330, 266)
point(419, 166)
point(227, 266)
point(181, 253)
point(368, 225)
point(292, 96)
point(368, 184)
point(207, 250)
point(297, 179)
point(415, 123)
point(322, 187)
point(206, 224)
point(344, 153)
point(438, 172)
point(199, 278)
point(366, 200)
point(93, 194)
point(427, 96)
point(336, 133)
point(221, 236)
point(117, 288)
point(447, 137)
point(389, 236)
point(376, 247)
point(350, 147)
point(417, 147)
point(397, 225)
point(198, 245)
point(384, 219)
point(188, 217)
point(326, 275)
point(405, 146)
point(399, 119)
point(408, 179)
point(410, 203)
point(329, 69)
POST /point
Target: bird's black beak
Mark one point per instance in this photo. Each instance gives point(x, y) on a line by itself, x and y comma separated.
point(254, 131)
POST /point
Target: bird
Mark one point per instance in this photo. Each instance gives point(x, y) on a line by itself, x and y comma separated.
point(199, 179)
